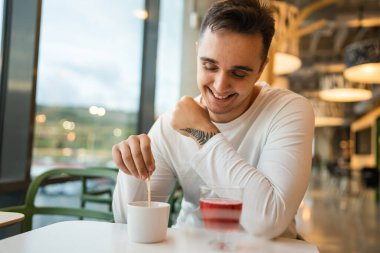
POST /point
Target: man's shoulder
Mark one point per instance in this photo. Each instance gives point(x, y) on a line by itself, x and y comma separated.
point(277, 99)
point(282, 94)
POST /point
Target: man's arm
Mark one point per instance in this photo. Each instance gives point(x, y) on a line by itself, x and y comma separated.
point(274, 189)
point(192, 119)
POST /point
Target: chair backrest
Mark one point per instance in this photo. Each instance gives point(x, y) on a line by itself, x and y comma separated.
point(97, 195)
point(30, 209)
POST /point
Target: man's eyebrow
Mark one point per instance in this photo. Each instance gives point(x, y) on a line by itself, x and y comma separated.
point(208, 59)
point(245, 68)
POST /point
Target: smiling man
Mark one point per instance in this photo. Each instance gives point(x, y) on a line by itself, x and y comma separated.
point(237, 132)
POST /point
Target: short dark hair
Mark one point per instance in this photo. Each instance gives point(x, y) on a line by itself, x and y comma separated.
point(241, 16)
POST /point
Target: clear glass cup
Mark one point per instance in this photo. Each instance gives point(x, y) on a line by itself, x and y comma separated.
point(221, 208)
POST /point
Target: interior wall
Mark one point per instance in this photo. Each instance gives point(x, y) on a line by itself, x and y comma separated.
point(193, 13)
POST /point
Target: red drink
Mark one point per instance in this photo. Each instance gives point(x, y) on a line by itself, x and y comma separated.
point(221, 214)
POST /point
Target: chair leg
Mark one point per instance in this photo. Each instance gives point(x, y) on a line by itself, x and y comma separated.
point(27, 223)
point(110, 204)
point(82, 205)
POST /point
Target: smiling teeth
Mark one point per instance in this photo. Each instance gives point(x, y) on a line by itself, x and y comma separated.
point(220, 97)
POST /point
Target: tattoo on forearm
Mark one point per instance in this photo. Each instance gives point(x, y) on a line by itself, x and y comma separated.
point(201, 136)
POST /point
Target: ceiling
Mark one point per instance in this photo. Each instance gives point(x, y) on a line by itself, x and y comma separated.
point(322, 51)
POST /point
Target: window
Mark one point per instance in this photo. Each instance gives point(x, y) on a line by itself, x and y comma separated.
point(88, 83)
point(169, 55)
point(363, 141)
point(1, 17)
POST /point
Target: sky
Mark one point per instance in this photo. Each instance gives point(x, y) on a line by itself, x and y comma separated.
point(90, 54)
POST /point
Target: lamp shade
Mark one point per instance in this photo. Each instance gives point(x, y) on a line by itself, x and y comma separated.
point(286, 58)
point(345, 94)
point(328, 114)
point(328, 121)
point(335, 88)
point(362, 60)
point(286, 63)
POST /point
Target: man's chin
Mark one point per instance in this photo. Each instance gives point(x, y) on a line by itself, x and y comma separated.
point(218, 112)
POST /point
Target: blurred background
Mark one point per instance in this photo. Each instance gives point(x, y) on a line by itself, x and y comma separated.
point(80, 76)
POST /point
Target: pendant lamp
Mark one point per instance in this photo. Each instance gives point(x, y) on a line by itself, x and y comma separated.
point(362, 60)
point(335, 88)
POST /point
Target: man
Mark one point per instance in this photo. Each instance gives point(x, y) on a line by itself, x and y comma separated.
point(237, 132)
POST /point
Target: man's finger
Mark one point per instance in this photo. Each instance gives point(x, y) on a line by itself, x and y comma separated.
point(147, 152)
point(138, 158)
point(116, 154)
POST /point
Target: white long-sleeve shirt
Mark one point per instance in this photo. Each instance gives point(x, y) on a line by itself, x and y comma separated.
point(267, 150)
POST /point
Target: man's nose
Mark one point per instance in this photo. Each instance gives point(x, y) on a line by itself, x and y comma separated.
point(222, 82)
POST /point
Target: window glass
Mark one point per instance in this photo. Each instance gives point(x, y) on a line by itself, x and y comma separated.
point(1, 18)
point(1, 31)
point(88, 83)
point(169, 55)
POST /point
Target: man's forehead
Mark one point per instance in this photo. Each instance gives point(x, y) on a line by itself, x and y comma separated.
point(230, 48)
point(231, 41)
point(225, 34)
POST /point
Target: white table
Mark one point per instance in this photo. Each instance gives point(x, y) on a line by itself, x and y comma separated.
point(8, 218)
point(102, 237)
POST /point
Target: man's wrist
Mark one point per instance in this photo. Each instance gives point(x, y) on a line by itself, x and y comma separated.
point(201, 136)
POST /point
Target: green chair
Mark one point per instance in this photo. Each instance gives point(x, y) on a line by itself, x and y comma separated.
point(103, 196)
point(175, 201)
point(29, 209)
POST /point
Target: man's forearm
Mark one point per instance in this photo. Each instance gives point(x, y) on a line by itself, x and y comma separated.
point(200, 136)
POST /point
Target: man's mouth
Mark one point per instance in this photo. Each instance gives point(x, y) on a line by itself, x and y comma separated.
point(221, 97)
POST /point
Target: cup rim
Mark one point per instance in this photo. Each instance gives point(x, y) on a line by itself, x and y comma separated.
point(159, 204)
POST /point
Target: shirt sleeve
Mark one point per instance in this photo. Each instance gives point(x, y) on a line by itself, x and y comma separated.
point(274, 189)
point(162, 181)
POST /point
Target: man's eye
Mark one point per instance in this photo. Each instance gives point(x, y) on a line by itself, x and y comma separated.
point(210, 66)
point(238, 74)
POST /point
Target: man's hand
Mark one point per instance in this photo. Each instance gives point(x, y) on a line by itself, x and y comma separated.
point(134, 156)
point(192, 119)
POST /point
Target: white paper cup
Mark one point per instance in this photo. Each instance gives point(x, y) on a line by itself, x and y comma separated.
point(147, 224)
